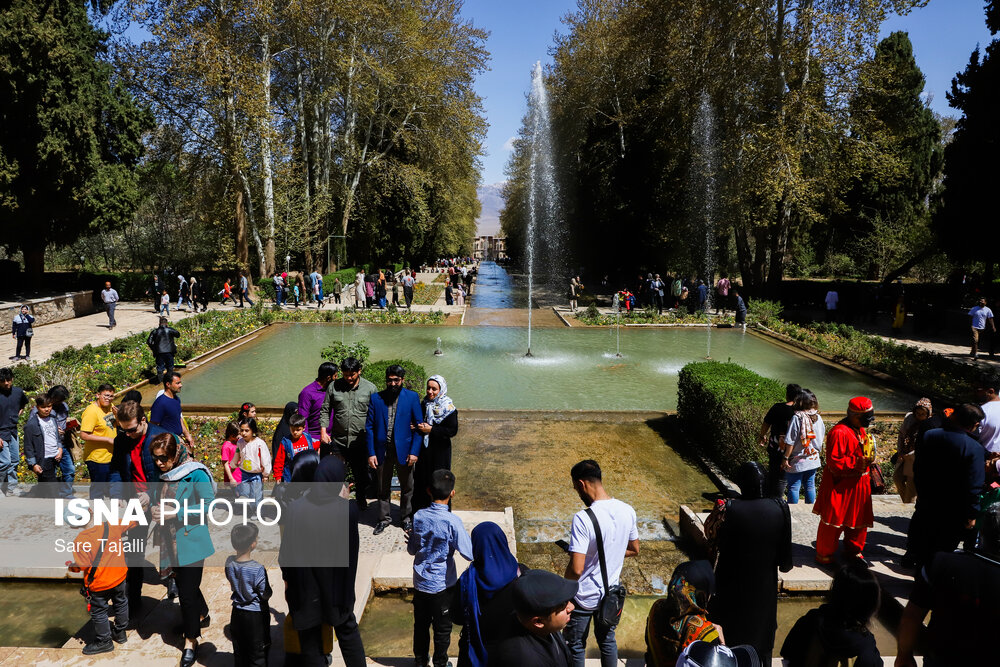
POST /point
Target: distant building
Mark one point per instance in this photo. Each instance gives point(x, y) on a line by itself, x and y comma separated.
point(490, 248)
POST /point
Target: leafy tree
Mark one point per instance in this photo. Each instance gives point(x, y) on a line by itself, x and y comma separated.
point(70, 134)
point(966, 223)
point(888, 208)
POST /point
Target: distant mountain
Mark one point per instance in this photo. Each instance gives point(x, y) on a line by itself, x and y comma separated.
point(488, 223)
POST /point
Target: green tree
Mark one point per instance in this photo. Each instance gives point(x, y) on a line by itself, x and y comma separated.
point(888, 205)
point(70, 134)
point(966, 222)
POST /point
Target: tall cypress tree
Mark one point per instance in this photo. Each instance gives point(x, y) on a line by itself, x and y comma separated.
point(967, 221)
point(70, 136)
point(890, 196)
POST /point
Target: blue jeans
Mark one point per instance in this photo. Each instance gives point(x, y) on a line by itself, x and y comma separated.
point(68, 469)
point(104, 481)
point(807, 480)
point(10, 456)
point(575, 634)
point(251, 486)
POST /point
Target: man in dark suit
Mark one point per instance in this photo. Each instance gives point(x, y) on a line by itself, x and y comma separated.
point(949, 471)
point(393, 442)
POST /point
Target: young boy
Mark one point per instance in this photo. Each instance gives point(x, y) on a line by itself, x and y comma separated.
point(289, 447)
point(165, 304)
point(436, 535)
point(42, 442)
point(104, 570)
point(251, 619)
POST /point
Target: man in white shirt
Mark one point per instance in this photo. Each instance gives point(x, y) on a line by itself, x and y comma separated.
point(110, 298)
point(620, 534)
point(988, 394)
point(408, 282)
point(982, 318)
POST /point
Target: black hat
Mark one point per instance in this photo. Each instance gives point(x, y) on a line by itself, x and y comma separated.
point(703, 654)
point(540, 591)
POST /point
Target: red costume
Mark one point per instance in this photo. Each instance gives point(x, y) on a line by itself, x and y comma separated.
point(844, 503)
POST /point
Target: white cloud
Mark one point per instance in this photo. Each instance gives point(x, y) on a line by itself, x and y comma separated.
point(509, 144)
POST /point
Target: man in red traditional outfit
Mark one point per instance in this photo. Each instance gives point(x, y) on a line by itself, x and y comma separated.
point(844, 504)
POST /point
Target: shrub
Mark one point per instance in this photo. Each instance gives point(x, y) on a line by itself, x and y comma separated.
point(592, 312)
point(338, 351)
point(721, 407)
point(415, 379)
point(764, 312)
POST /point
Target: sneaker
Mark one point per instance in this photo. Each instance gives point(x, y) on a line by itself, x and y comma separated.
point(96, 647)
point(119, 636)
point(27, 358)
point(187, 657)
point(380, 528)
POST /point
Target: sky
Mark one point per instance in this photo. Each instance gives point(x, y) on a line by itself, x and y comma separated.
point(944, 33)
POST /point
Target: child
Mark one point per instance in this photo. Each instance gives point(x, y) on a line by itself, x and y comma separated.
point(253, 459)
point(104, 569)
point(227, 292)
point(235, 476)
point(295, 294)
point(251, 619)
point(247, 410)
point(289, 447)
point(165, 304)
point(42, 442)
point(436, 534)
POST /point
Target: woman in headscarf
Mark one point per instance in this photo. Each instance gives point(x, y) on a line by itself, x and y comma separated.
point(183, 548)
point(319, 594)
point(359, 289)
point(282, 430)
point(493, 567)
point(438, 428)
point(682, 617)
point(906, 444)
point(753, 535)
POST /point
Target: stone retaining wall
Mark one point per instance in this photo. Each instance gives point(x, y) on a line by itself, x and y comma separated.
point(52, 309)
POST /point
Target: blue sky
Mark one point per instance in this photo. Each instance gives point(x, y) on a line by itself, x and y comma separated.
point(943, 34)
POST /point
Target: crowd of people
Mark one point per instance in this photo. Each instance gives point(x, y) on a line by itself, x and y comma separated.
point(717, 611)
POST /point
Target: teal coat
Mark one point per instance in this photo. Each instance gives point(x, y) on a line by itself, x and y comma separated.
point(193, 541)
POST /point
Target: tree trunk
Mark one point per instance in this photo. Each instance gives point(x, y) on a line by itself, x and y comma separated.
point(34, 260)
point(265, 156)
point(242, 246)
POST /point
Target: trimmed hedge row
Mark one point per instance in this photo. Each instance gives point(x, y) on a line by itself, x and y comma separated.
point(721, 407)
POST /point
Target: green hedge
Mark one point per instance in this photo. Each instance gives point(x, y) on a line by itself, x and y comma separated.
point(415, 379)
point(721, 407)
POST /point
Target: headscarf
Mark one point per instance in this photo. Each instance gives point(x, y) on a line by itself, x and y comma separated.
point(682, 617)
point(437, 410)
point(282, 430)
point(924, 403)
point(752, 480)
point(492, 568)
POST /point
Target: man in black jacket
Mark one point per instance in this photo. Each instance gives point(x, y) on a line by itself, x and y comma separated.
point(949, 471)
point(161, 342)
point(532, 633)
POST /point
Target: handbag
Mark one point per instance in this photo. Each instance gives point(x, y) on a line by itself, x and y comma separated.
point(878, 482)
point(609, 610)
point(29, 332)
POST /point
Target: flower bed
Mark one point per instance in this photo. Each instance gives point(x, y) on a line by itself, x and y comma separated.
point(427, 295)
point(928, 373)
point(647, 316)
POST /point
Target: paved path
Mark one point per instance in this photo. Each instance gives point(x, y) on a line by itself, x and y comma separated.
point(132, 317)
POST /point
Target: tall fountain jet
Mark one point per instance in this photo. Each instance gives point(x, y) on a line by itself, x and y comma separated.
point(704, 169)
point(544, 228)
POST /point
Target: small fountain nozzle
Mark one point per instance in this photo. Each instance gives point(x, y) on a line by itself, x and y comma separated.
point(528, 353)
point(438, 351)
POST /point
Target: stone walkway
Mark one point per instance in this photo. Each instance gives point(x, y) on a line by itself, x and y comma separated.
point(132, 317)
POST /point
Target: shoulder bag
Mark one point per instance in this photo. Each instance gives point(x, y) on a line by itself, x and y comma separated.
point(609, 610)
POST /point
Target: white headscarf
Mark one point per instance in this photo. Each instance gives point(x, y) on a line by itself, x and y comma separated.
point(437, 410)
